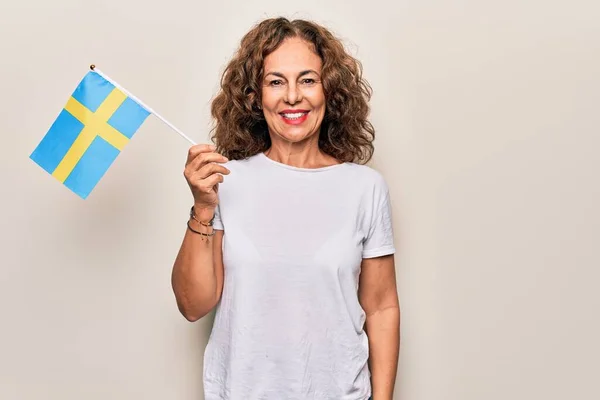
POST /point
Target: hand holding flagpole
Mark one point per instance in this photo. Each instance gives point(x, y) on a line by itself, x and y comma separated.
point(150, 110)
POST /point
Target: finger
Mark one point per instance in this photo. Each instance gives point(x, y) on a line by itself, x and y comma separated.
point(197, 149)
point(205, 158)
point(207, 185)
point(210, 169)
point(214, 179)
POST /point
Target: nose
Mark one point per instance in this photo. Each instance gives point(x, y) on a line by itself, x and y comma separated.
point(293, 94)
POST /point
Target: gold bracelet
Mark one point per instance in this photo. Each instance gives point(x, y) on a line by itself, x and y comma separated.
point(193, 215)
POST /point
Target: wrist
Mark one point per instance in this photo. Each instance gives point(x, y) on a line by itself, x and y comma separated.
point(202, 213)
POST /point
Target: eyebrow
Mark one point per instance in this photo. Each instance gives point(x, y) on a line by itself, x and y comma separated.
point(305, 72)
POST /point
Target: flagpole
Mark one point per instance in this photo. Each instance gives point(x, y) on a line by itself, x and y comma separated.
point(170, 125)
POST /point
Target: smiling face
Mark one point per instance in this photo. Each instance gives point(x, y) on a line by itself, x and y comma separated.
point(293, 100)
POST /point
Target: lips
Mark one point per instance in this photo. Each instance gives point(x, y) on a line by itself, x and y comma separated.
point(294, 117)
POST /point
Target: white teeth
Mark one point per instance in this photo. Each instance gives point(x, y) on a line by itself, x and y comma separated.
point(294, 115)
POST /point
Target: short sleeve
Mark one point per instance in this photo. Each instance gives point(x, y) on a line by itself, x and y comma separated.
point(379, 239)
point(218, 222)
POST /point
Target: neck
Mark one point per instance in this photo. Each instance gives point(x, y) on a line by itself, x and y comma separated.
point(305, 154)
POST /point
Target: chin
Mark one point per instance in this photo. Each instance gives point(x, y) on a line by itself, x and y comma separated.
point(296, 137)
point(297, 134)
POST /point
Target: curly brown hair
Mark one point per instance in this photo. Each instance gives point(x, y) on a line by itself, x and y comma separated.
point(240, 129)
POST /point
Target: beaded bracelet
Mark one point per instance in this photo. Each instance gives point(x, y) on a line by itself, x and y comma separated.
point(200, 233)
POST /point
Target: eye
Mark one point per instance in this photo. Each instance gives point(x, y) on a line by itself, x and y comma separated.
point(308, 81)
point(276, 82)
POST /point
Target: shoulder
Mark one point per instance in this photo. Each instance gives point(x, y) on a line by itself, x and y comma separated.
point(370, 185)
point(367, 176)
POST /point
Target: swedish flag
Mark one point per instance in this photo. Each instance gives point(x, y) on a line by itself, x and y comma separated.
point(89, 133)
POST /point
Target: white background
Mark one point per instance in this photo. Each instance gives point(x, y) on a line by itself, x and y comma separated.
point(487, 133)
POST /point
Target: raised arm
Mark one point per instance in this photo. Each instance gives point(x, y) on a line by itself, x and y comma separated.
point(197, 275)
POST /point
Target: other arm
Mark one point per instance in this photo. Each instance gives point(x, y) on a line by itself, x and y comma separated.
point(379, 298)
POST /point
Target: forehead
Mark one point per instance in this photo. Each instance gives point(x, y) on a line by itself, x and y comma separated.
point(293, 55)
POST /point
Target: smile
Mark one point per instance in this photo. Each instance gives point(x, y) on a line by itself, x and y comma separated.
point(294, 117)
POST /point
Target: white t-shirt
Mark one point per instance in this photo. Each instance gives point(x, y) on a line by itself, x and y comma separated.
point(289, 325)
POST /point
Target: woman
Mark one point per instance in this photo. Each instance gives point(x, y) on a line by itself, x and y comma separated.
point(290, 235)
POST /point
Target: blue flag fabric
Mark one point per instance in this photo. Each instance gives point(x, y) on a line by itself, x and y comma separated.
point(89, 133)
